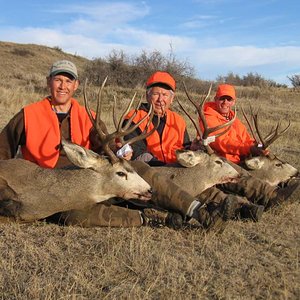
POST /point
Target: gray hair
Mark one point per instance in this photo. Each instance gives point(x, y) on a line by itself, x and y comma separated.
point(149, 90)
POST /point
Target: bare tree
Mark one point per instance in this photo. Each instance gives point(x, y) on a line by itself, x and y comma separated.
point(295, 80)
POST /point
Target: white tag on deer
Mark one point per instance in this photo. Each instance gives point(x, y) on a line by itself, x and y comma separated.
point(209, 140)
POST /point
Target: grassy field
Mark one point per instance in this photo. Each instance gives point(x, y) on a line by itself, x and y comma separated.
point(248, 261)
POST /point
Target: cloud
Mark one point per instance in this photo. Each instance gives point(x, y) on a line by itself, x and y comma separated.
point(198, 22)
point(248, 56)
point(101, 18)
point(272, 63)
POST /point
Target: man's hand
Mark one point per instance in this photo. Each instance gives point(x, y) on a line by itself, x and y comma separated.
point(124, 152)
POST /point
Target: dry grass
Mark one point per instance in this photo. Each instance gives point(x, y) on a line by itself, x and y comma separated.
point(248, 261)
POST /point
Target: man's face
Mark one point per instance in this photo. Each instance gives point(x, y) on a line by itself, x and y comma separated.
point(62, 88)
point(161, 99)
point(224, 104)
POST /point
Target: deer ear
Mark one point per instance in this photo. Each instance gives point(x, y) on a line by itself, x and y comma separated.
point(80, 156)
point(254, 163)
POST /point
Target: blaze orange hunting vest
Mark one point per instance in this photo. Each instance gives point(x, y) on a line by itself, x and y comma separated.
point(172, 136)
point(235, 144)
point(43, 134)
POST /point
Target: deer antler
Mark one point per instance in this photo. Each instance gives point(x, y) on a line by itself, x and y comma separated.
point(127, 128)
point(273, 135)
point(121, 130)
point(204, 136)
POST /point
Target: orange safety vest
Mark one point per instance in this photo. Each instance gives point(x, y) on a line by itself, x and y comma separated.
point(235, 144)
point(43, 134)
point(172, 136)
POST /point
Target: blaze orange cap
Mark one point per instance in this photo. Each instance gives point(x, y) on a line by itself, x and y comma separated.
point(161, 77)
point(225, 90)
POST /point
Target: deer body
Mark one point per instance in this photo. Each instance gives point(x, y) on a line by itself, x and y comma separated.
point(270, 169)
point(29, 192)
point(209, 171)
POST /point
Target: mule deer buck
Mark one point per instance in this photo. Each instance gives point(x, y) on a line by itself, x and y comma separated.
point(269, 168)
point(29, 192)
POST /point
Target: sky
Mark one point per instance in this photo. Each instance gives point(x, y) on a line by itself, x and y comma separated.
point(215, 37)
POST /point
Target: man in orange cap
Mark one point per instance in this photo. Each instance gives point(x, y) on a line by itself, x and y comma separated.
point(236, 144)
point(171, 134)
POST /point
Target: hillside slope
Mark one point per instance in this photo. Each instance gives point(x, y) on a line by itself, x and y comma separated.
point(30, 58)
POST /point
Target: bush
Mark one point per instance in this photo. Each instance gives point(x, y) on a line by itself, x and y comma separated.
point(132, 72)
point(295, 80)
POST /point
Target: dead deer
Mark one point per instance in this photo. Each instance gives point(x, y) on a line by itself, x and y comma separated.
point(269, 168)
point(29, 192)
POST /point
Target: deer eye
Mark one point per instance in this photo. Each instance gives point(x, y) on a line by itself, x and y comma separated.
point(121, 174)
point(219, 162)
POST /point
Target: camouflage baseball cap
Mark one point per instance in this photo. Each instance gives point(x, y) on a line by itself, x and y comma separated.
point(63, 66)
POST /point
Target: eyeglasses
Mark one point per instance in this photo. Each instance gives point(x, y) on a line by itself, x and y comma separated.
point(223, 98)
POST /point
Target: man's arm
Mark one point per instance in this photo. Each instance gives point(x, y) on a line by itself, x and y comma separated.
point(12, 136)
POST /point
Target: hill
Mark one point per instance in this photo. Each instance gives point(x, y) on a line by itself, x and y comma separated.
point(30, 58)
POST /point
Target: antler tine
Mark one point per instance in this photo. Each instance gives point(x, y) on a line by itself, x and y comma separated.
point(195, 123)
point(98, 124)
point(199, 109)
point(144, 134)
point(255, 121)
point(125, 113)
point(127, 128)
point(118, 124)
point(99, 106)
point(250, 126)
point(114, 113)
point(87, 108)
point(274, 135)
